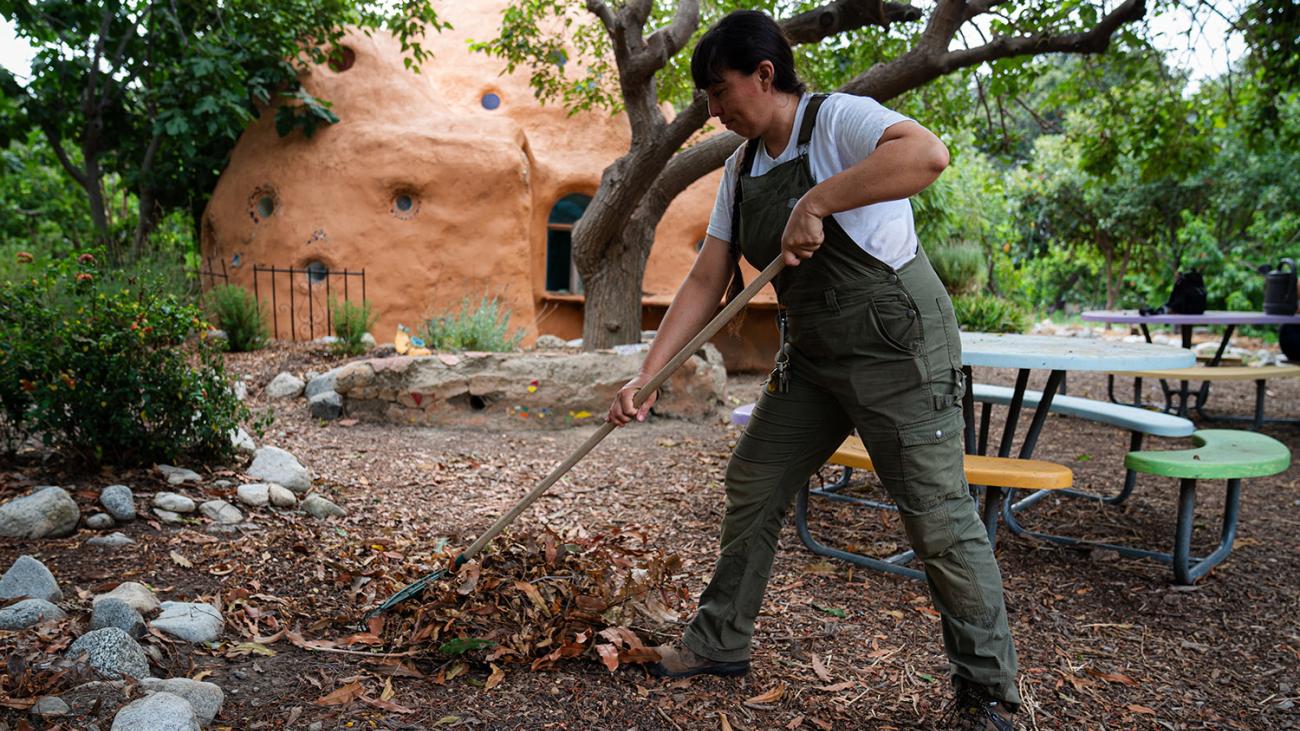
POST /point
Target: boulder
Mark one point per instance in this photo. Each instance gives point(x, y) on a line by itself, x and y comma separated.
point(113, 612)
point(319, 507)
point(242, 441)
point(545, 388)
point(221, 512)
point(28, 577)
point(157, 712)
point(111, 540)
point(99, 521)
point(321, 383)
point(256, 495)
point(112, 653)
point(178, 475)
point(204, 698)
point(174, 502)
point(136, 595)
point(281, 497)
point(189, 621)
point(327, 405)
point(50, 706)
point(272, 464)
point(118, 501)
point(50, 512)
point(284, 385)
point(29, 613)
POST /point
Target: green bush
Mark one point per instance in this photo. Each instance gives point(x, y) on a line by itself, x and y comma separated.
point(961, 267)
point(110, 376)
point(989, 314)
point(351, 323)
point(485, 327)
point(239, 314)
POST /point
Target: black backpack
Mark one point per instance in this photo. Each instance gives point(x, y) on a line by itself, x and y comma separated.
point(1187, 297)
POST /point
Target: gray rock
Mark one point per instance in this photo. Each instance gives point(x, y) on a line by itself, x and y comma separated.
point(85, 697)
point(222, 512)
point(272, 464)
point(281, 497)
point(368, 340)
point(319, 507)
point(240, 389)
point(189, 621)
point(204, 698)
point(243, 441)
point(173, 502)
point(112, 653)
point(222, 484)
point(113, 612)
point(218, 334)
point(157, 712)
point(99, 521)
point(110, 540)
point(326, 340)
point(136, 595)
point(50, 706)
point(549, 342)
point(285, 385)
point(320, 384)
point(50, 512)
point(29, 613)
point(256, 495)
point(119, 501)
point(168, 516)
point(178, 475)
point(29, 577)
point(327, 405)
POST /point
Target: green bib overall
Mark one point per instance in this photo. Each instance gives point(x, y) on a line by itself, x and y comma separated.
point(873, 349)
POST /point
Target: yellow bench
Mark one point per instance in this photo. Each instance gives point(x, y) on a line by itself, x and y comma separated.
point(993, 473)
point(1261, 376)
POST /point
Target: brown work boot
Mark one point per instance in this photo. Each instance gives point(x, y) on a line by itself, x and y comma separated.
point(972, 709)
point(679, 661)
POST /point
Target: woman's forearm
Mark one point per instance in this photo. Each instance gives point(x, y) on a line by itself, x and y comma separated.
point(904, 163)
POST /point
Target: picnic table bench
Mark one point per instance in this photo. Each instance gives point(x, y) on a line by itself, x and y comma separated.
point(1227, 454)
point(1261, 376)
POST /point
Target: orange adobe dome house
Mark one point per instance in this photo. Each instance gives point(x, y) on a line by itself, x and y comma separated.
point(451, 183)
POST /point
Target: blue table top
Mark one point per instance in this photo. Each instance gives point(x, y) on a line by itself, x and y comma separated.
point(996, 350)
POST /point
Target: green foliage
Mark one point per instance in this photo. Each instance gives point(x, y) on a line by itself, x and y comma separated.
point(158, 93)
point(484, 327)
point(239, 314)
point(989, 314)
point(109, 374)
point(960, 266)
point(351, 323)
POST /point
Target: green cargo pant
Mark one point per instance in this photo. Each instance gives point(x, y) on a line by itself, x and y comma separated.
point(882, 356)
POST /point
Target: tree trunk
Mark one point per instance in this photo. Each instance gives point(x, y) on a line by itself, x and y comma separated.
point(612, 313)
point(93, 183)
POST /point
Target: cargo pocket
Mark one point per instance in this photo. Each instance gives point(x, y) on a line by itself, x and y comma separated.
point(951, 332)
point(932, 462)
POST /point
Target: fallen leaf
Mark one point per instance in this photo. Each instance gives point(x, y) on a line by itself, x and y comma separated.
point(343, 695)
point(387, 693)
point(609, 656)
point(181, 560)
point(726, 725)
point(795, 722)
point(819, 669)
point(384, 705)
point(1141, 709)
point(250, 648)
point(495, 678)
point(838, 686)
point(768, 698)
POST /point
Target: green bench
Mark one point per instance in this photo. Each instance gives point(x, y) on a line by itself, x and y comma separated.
point(1219, 454)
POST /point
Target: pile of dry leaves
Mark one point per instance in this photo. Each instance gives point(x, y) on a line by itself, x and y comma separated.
point(535, 599)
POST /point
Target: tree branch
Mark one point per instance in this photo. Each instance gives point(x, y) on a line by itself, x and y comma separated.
point(56, 142)
point(841, 15)
point(664, 43)
point(599, 9)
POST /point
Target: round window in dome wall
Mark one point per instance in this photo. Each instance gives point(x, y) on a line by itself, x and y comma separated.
point(341, 59)
point(490, 101)
point(317, 271)
point(405, 204)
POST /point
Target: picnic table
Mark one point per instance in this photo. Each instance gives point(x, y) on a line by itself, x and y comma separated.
point(1230, 319)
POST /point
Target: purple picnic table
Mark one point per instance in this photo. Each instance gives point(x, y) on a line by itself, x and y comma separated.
point(1185, 323)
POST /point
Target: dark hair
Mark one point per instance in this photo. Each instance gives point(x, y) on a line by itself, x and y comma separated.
point(740, 41)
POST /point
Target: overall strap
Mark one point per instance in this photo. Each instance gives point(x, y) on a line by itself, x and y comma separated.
point(742, 169)
point(810, 119)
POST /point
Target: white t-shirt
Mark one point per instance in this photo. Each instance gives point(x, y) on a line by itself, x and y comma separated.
point(847, 130)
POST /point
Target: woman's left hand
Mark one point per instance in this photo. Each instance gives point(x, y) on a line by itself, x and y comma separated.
point(803, 234)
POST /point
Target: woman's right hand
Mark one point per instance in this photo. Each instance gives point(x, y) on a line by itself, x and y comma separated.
point(622, 411)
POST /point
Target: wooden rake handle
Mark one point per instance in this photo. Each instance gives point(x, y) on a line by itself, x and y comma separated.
point(711, 329)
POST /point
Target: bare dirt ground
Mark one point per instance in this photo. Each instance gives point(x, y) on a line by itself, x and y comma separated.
point(1104, 642)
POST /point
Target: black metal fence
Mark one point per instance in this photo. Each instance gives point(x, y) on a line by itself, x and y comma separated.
point(313, 288)
point(208, 275)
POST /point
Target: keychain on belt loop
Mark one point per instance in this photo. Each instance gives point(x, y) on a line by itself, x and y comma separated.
point(780, 382)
